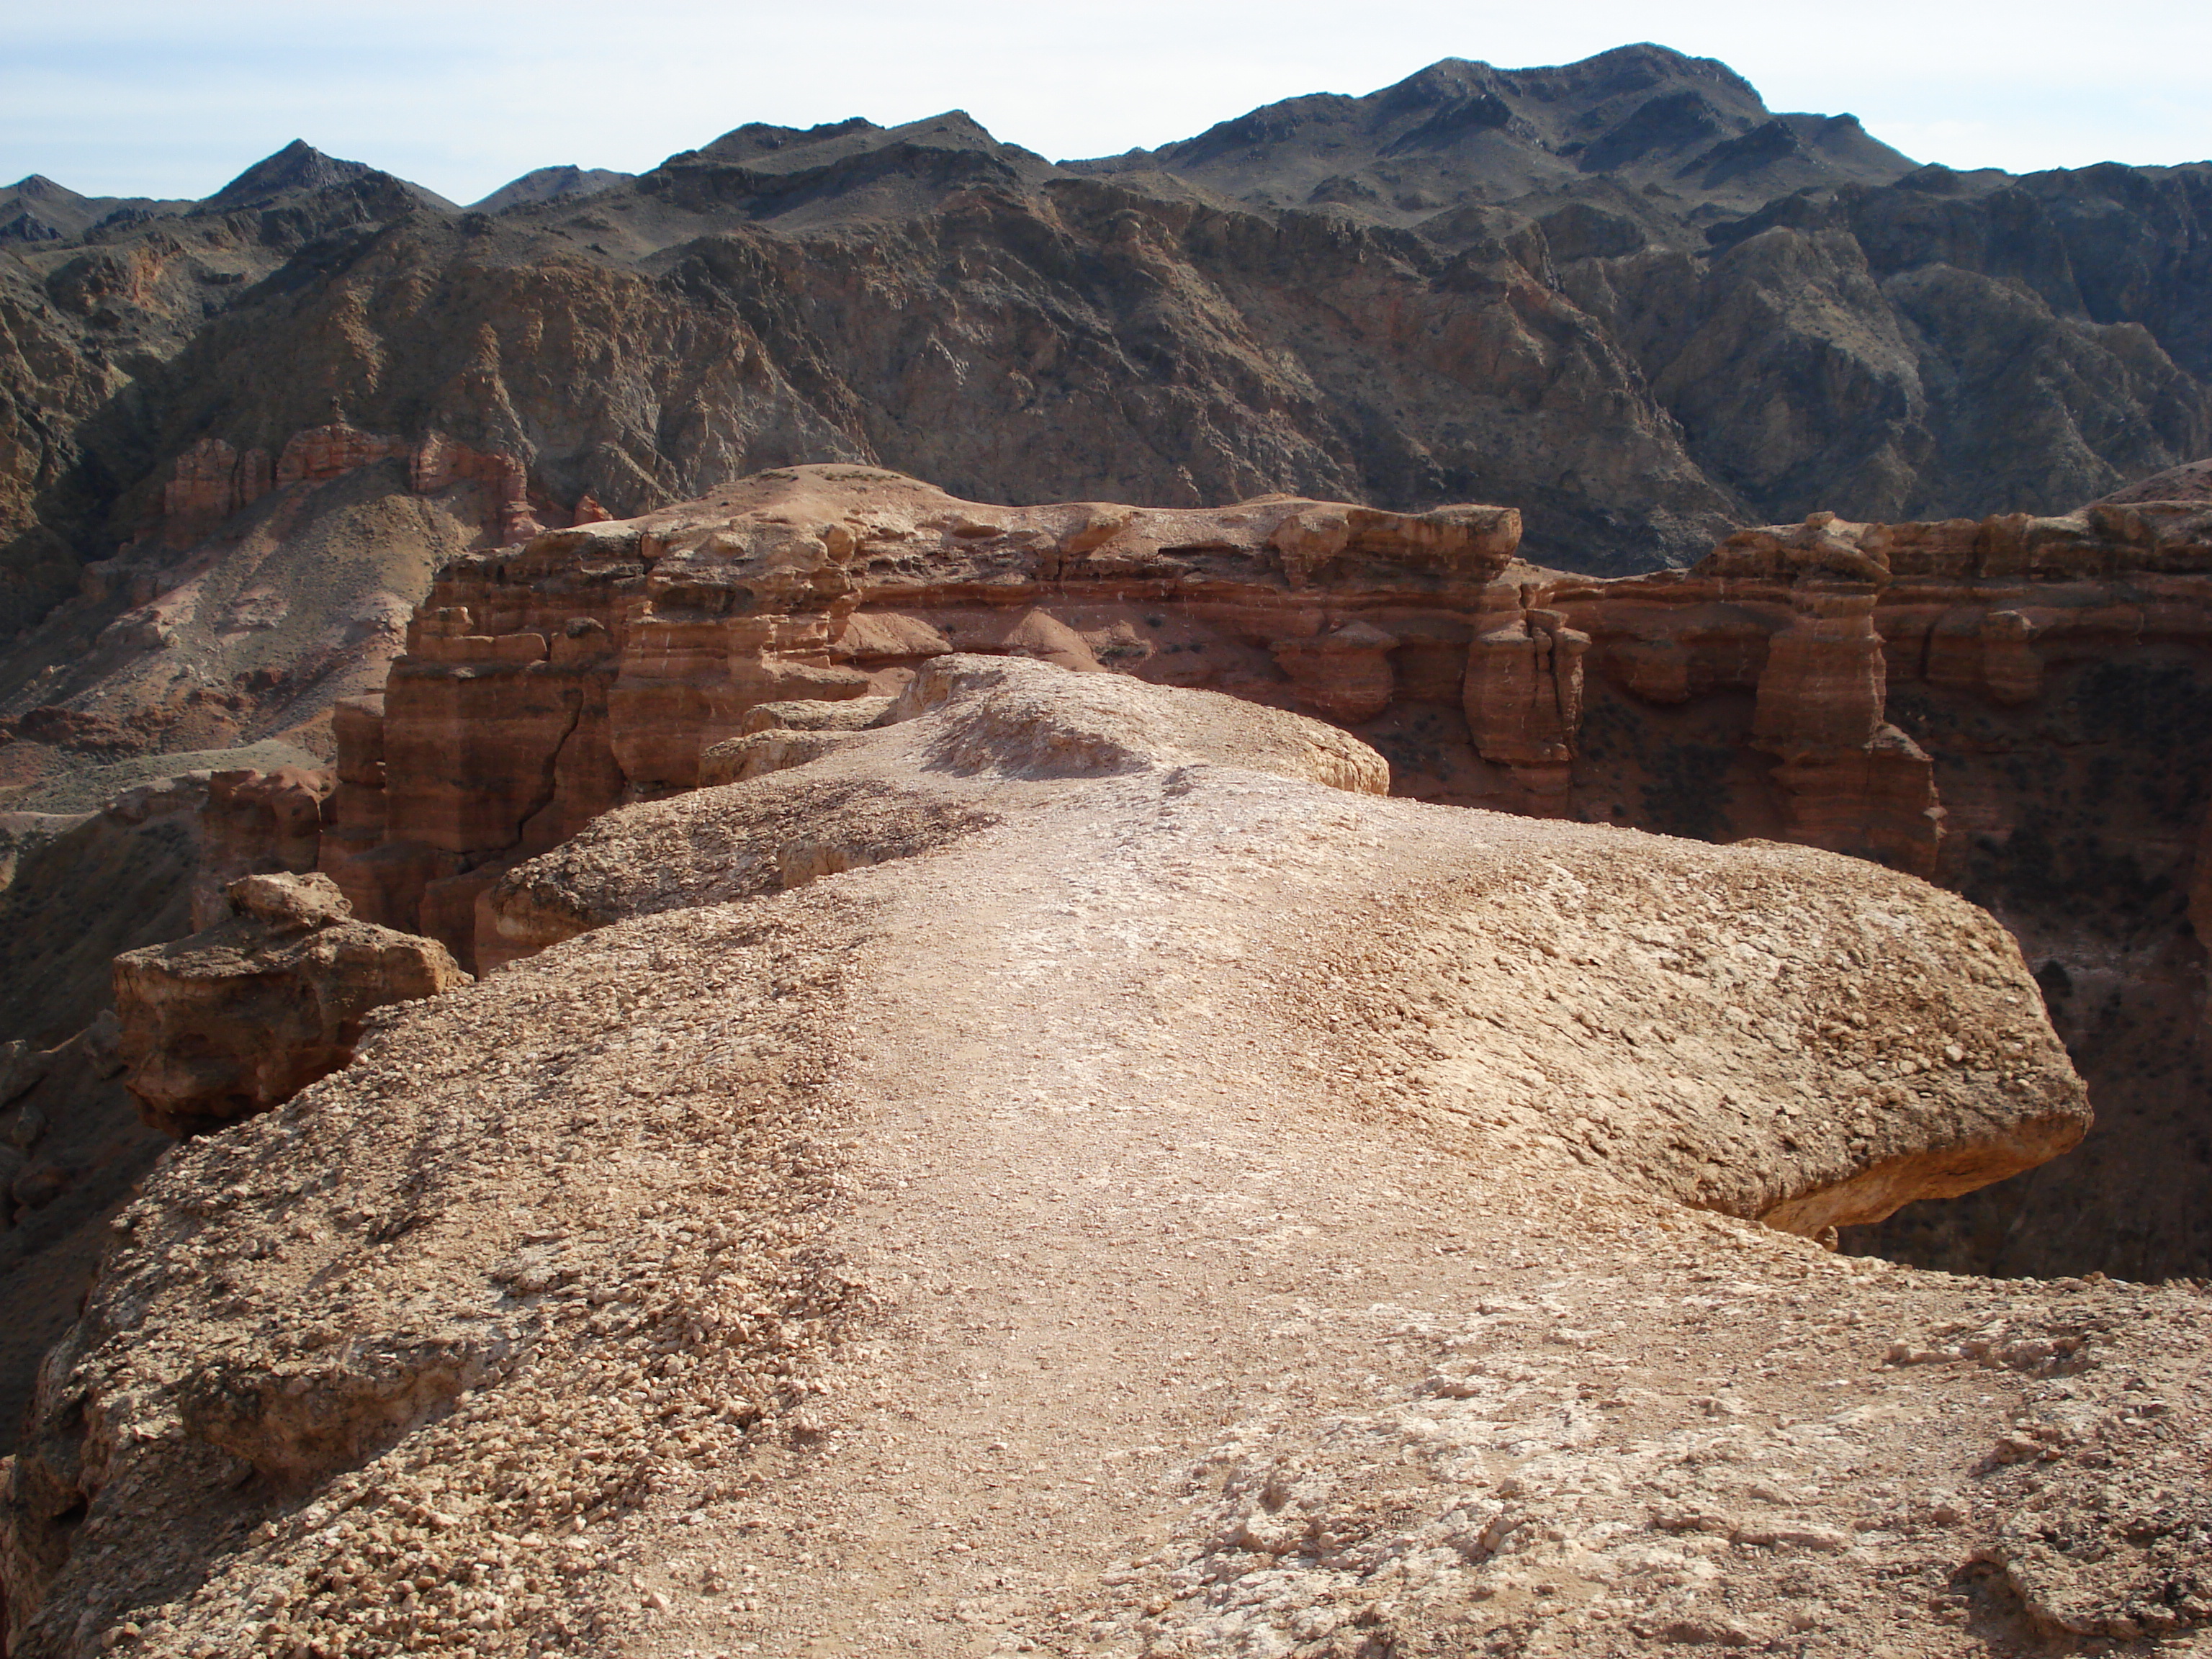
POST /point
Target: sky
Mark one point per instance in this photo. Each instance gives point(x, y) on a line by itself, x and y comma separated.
point(133, 97)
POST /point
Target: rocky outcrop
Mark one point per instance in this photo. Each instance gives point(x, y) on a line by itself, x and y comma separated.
point(255, 824)
point(211, 482)
point(214, 481)
point(547, 683)
point(241, 1015)
point(84, 887)
point(1885, 690)
point(613, 1244)
point(1522, 694)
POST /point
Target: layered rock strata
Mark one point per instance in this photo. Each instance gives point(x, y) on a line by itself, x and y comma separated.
point(547, 683)
point(1957, 699)
point(212, 481)
point(244, 1014)
point(1163, 1124)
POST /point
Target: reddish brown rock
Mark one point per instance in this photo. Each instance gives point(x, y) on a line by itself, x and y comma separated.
point(211, 482)
point(438, 463)
point(1344, 674)
point(594, 665)
point(1853, 783)
point(1523, 694)
point(254, 822)
point(2001, 704)
point(323, 453)
point(241, 1015)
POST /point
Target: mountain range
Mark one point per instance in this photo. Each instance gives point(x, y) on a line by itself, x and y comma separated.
point(1621, 293)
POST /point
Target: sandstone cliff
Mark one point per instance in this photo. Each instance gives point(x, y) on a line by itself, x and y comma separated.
point(1958, 699)
point(244, 1014)
point(1168, 1204)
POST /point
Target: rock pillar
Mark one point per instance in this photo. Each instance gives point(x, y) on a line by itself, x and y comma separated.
point(1524, 695)
point(1853, 783)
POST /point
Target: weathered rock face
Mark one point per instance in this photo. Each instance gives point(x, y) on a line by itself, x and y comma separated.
point(544, 684)
point(731, 1166)
point(241, 1015)
point(1943, 698)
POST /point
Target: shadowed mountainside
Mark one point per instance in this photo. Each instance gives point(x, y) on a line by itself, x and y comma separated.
point(1620, 293)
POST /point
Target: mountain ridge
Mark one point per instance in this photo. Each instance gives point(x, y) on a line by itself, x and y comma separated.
point(1650, 311)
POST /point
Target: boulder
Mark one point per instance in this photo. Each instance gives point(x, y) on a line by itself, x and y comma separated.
point(241, 1015)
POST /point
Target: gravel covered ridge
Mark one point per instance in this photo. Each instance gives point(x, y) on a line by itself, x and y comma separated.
point(1200, 1212)
point(381, 1361)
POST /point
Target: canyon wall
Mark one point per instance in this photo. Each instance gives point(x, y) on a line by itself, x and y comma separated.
point(2009, 707)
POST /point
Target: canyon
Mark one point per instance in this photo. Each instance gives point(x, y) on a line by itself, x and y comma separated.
point(2006, 706)
point(560, 846)
point(1132, 1187)
point(2010, 708)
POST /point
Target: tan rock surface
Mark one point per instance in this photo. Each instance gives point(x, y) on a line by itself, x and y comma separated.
point(1200, 1212)
point(2010, 705)
point(242, 1015)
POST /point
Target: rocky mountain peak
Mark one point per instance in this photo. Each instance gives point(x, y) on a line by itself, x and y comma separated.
point(298, 166)
point(36, 187)
point(1643, 117)
point(843, 171)
point(549, 184)
point(790, 149)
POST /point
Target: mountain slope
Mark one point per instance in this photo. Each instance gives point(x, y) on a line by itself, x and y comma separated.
point(547, 183)
point(1621, 294)
point(1687, 132)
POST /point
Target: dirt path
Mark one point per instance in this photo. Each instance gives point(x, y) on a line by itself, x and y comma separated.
point(1170, 1282)
point(1206, 1213)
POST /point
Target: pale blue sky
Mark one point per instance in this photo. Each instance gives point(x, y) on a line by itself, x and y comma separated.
point(116, 97)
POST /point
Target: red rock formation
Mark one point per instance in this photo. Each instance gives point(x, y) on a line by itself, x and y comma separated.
point(255, 823)
point(1853, 782)
point(438, 463)
point(2004, 705)
point(1344, 674)
point(244, 1014)
point(212, 481)
point(322, 453)
point(1523, 694)
point(545, 684)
